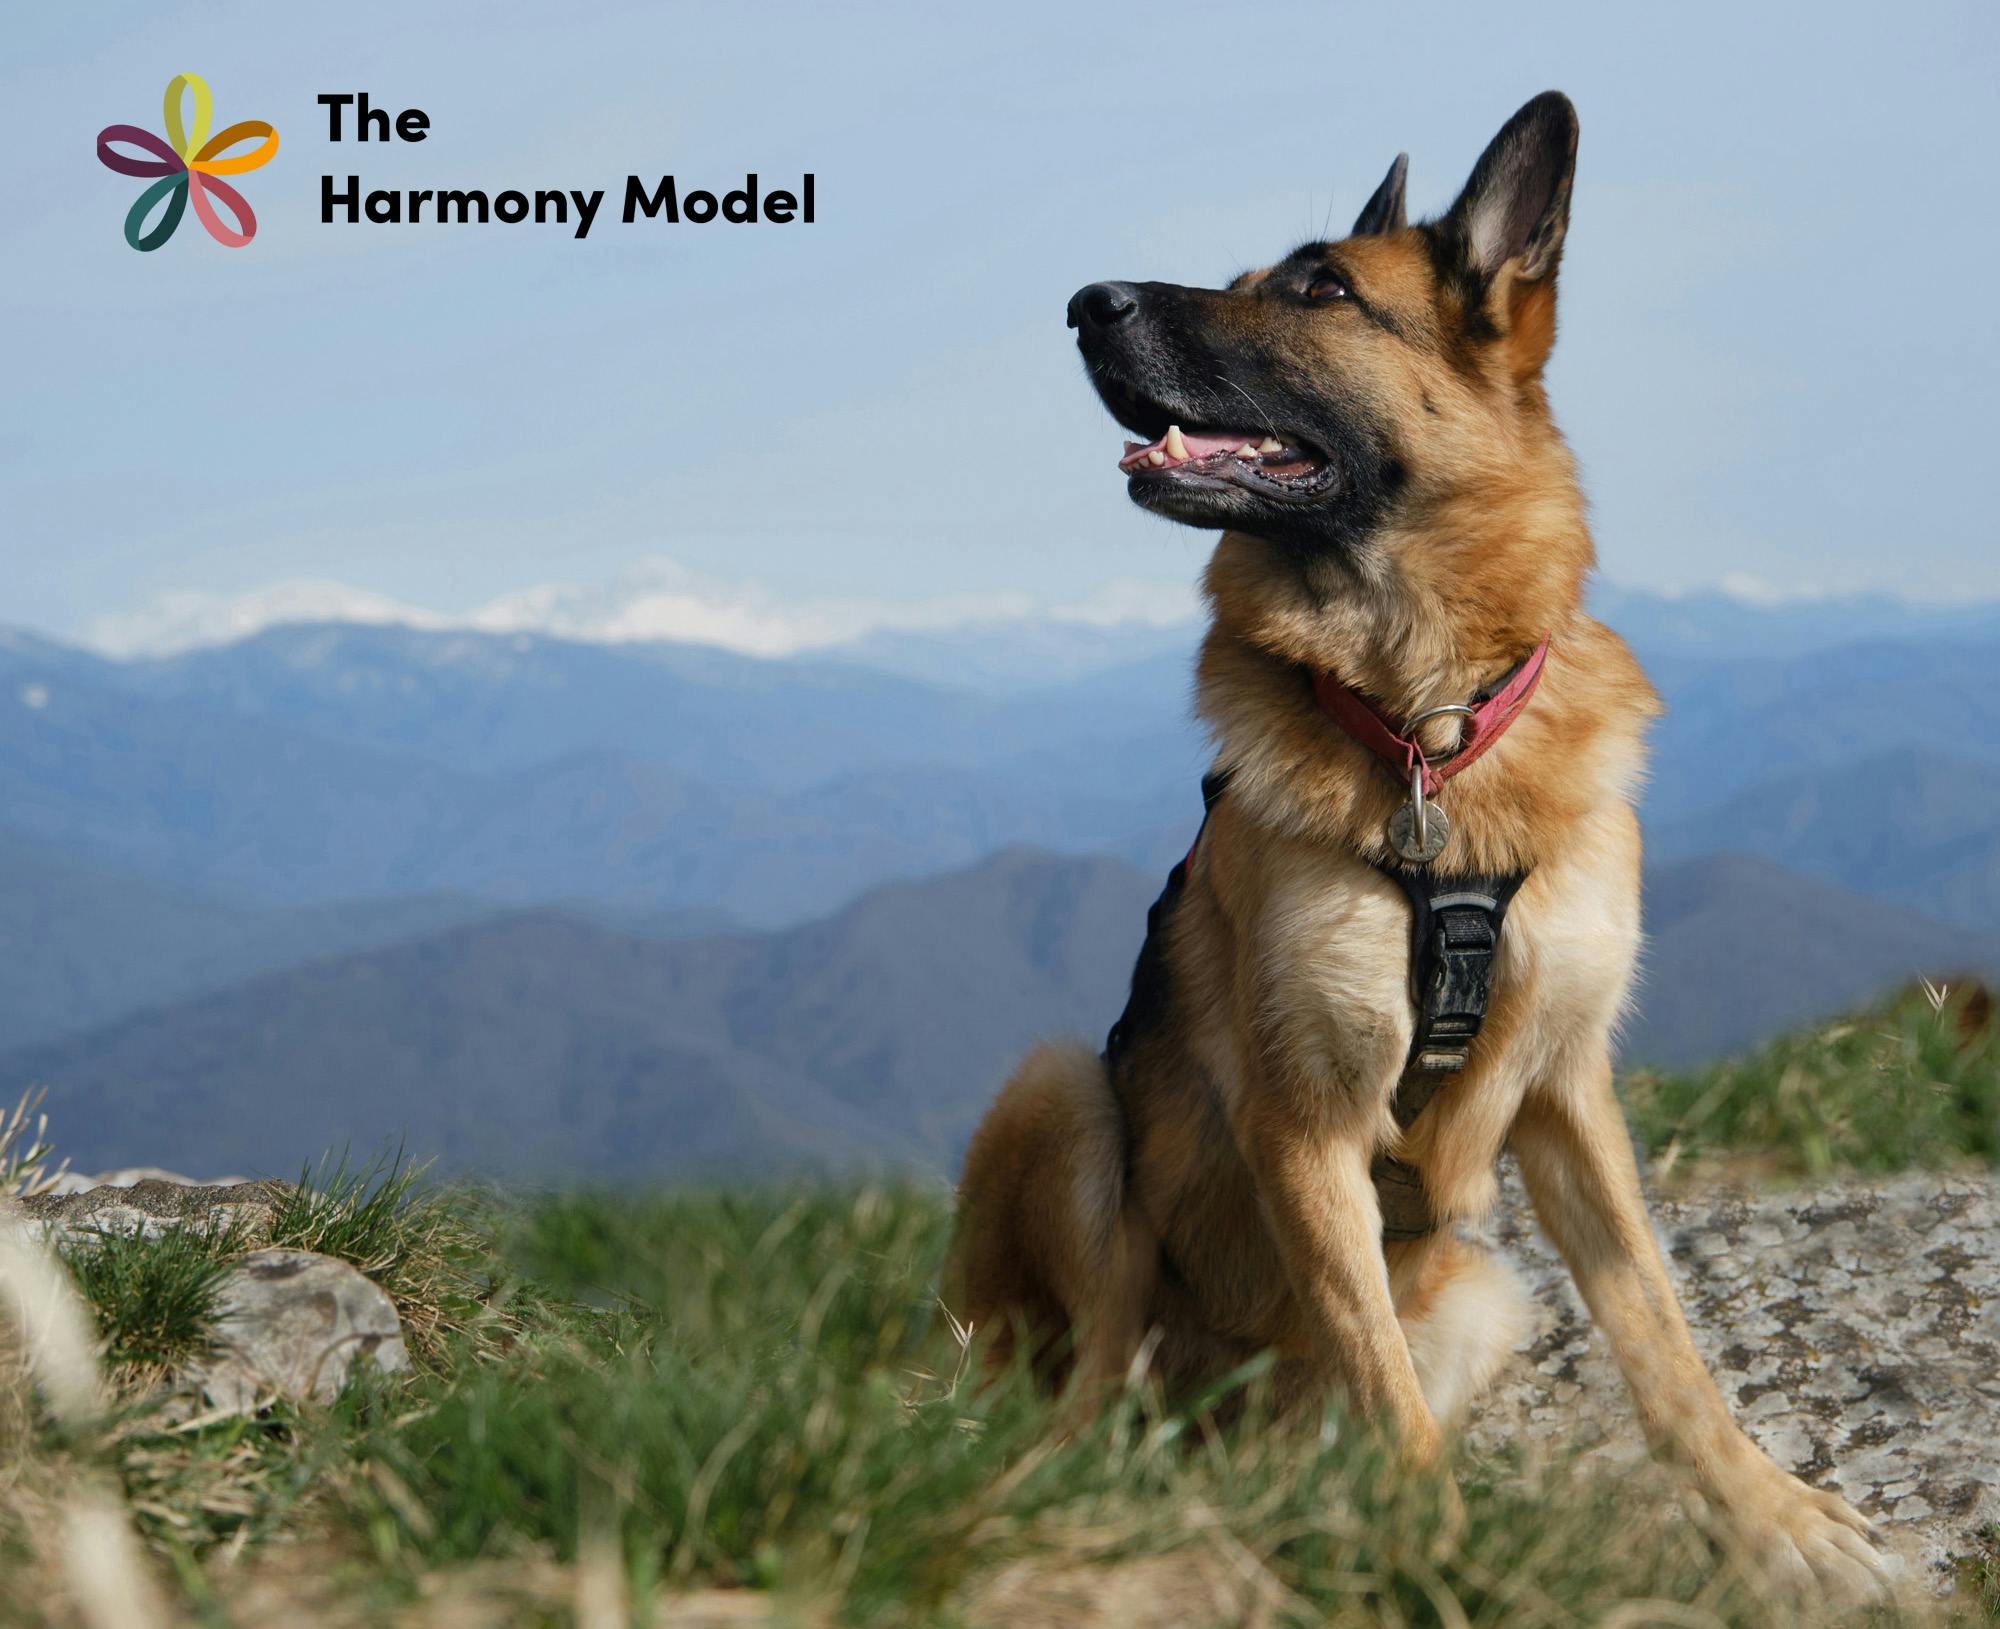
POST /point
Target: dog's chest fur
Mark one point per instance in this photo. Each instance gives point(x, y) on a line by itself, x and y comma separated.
point(1286, 974)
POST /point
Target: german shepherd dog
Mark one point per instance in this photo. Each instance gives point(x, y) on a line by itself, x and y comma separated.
point(1366, 424)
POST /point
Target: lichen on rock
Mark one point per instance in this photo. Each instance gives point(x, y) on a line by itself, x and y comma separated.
point(1854, 1329)
point(293, 1324)
point(151, 1207)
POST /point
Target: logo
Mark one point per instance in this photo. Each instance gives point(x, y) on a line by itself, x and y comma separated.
point(189, 165)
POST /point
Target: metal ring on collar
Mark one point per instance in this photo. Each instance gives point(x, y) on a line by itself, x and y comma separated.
point(1429, 713)
point(1410, 729)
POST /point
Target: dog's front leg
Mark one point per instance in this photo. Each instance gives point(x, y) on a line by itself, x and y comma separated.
point(1576, 1156)
point(1309, 1148)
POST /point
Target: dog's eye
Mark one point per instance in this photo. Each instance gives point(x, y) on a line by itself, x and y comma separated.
point(1326, 286)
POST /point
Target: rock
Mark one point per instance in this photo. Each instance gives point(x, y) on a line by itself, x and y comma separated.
point(291, 1324)
point(150, 1207)
point(74, 1182)
point(1854, 1329)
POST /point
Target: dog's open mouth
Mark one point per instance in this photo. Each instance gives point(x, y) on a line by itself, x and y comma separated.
point(1256, 460)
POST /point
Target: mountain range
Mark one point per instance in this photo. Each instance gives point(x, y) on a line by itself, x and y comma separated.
point(538, 1042)
point(1906, 824)
point(320, 764)
point(334, 869)
point(541, 1044)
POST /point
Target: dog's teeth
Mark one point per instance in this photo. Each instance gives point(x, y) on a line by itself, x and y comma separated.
point(1156, 458)
point(1176, 447)
point(1270, 444)
point(1246, 451)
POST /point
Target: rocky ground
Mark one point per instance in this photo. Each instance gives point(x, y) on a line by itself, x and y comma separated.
point(1854, 1327)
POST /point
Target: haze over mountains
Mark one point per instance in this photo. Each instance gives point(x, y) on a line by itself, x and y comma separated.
point(321, 763)
point(540, 904)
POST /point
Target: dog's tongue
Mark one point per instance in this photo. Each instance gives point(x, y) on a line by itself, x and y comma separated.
point(1180, 446)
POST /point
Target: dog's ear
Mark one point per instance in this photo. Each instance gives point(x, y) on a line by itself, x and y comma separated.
point(1503, 239)
point(1516, 205)
point(1383, 213)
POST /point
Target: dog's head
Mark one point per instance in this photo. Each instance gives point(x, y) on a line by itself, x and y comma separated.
point(1305, 402)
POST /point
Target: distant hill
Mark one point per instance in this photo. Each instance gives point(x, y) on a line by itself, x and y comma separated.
point(83, 944)
point(317, 763)
point(1911, 825)
point(542, 1044)
point(1731, 724)
point(539, 1043)
point(202, 800)
point(171, 827)
point(1739, 949)
point(1021, 655)
point(1711, 625)
point(506, 702)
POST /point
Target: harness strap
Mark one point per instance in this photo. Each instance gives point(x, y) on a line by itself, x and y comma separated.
point(1149, 974)
point(1454, 935)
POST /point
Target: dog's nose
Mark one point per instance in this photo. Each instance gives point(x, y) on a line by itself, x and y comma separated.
point(1101, 305)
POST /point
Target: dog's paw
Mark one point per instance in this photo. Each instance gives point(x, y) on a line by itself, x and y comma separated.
point(1812, 1541)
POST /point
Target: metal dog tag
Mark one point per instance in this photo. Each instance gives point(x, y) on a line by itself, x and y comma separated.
point(1403, 833)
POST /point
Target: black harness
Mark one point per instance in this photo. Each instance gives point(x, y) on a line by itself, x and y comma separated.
point(1455, 926)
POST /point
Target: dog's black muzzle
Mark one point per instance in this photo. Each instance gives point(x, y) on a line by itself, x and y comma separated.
point(1162, 356)
point(1141, 344)
point(1101, 306)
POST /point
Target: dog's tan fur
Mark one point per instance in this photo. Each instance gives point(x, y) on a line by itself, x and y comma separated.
point(1242, 1216)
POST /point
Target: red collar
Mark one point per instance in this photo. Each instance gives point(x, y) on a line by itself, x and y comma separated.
point(1485, 722)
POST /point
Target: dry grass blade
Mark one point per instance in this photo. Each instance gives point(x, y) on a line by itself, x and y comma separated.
point(54, 1329)
point(25, 1149)
point(107, 1580)
point(99, 1554)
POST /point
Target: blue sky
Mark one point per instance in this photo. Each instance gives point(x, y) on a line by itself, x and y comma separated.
point(1777, 353)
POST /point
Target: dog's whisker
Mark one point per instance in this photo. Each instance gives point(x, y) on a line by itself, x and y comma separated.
point(1257, 407)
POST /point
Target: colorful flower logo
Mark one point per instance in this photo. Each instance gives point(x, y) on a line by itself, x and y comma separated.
point(189, 165)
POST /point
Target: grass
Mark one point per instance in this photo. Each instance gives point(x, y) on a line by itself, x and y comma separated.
point(750, 1399)
point(757, 1390)
point(154, 1299)
point(1912, 1084)
point(424, 1246)
point(1979, 1573)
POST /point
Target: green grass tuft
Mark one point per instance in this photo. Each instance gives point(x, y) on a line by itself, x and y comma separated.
point(1979, 1574)
point(424, 1245)
point(153, 1299)
point(1915, 1083)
